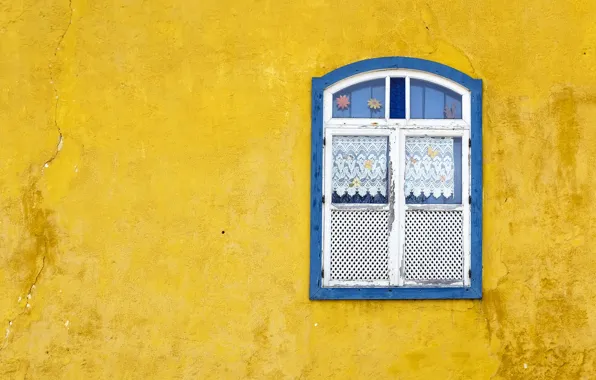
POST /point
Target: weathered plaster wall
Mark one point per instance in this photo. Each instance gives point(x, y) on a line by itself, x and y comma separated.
point(168, 238)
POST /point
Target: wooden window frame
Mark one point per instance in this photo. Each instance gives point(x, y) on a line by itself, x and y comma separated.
point(469, 128)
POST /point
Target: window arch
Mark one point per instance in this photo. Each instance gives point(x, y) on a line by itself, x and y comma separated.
point(396, 189)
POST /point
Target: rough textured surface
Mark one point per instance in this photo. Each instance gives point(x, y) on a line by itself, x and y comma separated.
point(186, 119)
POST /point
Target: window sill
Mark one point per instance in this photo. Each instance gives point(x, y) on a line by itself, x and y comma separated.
point(393, 293)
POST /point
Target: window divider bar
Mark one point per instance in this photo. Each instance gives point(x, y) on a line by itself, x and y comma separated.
point(371, 124)
point(357, 284)
point(335, 131)
point(400, 203)
point(435, 207)
point(394, 210)
point(436, 133)
point(360, 206)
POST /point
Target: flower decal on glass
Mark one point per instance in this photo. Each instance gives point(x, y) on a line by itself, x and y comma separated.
point(450, 112)
point(374, 104)
point(343, 102)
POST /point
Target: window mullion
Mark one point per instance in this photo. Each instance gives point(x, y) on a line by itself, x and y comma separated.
point(394, 272)
point(401, 201)
point(397, 206)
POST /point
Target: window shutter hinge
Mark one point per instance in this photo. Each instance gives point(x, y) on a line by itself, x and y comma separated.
point(470, 199)
point(469, 143)
point(324, 141)
point(323, 199)
point(470, 273)
point(322, 273)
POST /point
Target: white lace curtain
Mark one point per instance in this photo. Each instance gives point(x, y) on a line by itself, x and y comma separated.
point(429, 166)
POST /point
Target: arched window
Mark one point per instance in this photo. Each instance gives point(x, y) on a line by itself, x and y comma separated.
point(396, 182)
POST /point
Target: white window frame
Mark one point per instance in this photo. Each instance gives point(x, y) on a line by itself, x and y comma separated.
point(396, 130)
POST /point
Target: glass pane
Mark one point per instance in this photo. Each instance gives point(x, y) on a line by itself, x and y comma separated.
point(359, 173)
point(433, 170)
point(397, 108)
point(363, 100)
point(431, 101)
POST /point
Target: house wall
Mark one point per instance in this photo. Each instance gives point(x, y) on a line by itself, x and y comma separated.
point(168, 234)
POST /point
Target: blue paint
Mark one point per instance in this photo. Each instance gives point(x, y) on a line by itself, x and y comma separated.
point(476, 187)
point(393, 293)
point(416, 102)
point(430, 101)
point(453, 102)
point(359, 101)
point(316, 291)
point(397, 89)
point(359, 95)
point(316, 191)
point(378, 92)
point(434, 101)
point(455, 198)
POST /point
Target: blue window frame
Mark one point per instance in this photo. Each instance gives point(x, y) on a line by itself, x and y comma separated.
point(414, 155)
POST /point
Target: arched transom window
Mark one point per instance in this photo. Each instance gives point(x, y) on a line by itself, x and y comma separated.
point(394, 182)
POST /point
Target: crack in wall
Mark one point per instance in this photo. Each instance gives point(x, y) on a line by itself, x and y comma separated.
point(429, 19)
point(465, 55)
point(46, 164)
point(27, 304)
point(56, 94)
point(34, 284)
point(14, 20)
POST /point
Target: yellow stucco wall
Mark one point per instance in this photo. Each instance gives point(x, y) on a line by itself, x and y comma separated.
point(184, 119)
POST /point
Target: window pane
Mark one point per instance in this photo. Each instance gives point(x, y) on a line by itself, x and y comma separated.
point(359, 245)
point(397, 108)
point(359, 173)
point(363, 100)
point(433, 246)
point(433, 170)
point(431, 101)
